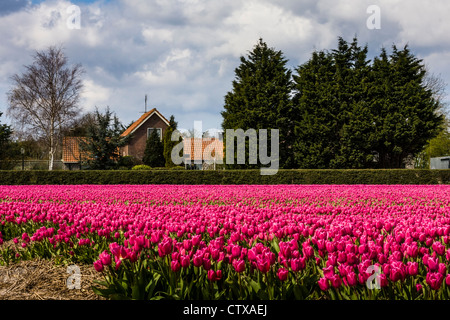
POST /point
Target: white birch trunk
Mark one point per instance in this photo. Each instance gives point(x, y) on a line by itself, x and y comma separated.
point(52, 148)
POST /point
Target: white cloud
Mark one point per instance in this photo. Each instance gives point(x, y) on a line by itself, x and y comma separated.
point(94, 95)
point(183, 52)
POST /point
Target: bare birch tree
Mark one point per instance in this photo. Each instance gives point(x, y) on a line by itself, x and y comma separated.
point(45, 97)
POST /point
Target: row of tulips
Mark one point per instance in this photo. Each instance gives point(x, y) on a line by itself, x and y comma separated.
point(239, 242)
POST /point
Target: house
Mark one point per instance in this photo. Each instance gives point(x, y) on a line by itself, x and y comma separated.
point(440, 163)
point(202, 153)
point(72, 155)
point(140, 130)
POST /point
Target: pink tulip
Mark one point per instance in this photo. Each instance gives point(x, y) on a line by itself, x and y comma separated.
point(336, 281)
point(298, 264)
point(282, 274)
point(439, 248)
point(175, 265)
point(235, 251)
point(328, 272)
point(442, 269)
point(308, 252)
point(198, 260)
point(433, 263)
point(263, 264)
point(185, 261)
point(323, 284)
point(330, 246)
point(164, 248)
point(447, 280)
point(352, 279)
point(206, 264)
point(105, 258)
point(412, 268)
point(342, 257)
point(211, 275)
point(98, 266)
point(434, 280)
point(239, 265)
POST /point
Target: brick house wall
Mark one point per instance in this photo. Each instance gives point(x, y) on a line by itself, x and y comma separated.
point(138, 131)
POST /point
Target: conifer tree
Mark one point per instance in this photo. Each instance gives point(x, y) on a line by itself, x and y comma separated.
point(154, 151)
point(103, 141)
point(353, 114)
point(260, 99)
point(168, 143)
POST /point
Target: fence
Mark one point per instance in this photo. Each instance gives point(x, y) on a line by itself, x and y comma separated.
point(31, 165)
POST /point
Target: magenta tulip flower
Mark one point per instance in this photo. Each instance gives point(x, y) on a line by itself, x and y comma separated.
point(282, 274)
point(336, 281)
point(105, 258)
point(447, 280)
point(175, 265)
point(98, 266)
point(323, 284)
point(434, 280)
point(328, 272)
point(185, 261)
point(412, 268)
point(352, 279)
point(239, 265)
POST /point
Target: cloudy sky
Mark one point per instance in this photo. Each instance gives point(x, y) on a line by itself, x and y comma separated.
point(182, 53)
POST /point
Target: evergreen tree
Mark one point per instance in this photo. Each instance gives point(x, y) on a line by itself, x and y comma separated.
point(436, 147)
point(5, 144)
point(355, 123)
point(168, 143)
point(5, 136)
point(260, 99)
point(315, 101)
point(103, 141)
point(407, 116)
point(357, 115)
point(154, 151)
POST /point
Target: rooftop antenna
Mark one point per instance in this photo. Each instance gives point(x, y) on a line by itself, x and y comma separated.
point(145, 104)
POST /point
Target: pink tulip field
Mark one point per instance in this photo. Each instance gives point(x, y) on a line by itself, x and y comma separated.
point(238, 241)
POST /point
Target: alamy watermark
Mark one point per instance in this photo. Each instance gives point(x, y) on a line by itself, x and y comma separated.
point(374, 20)
point(74, 280)
point(370, 283)
point(257, 149)
point(74, 19)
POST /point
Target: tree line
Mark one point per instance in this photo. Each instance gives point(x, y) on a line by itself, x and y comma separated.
point(339, 109)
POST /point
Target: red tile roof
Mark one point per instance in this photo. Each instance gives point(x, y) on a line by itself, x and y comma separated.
point(71, 151)
point(209, 147)
point(142, 119)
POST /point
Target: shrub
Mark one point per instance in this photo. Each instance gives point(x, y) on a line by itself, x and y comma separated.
point(146, 175)
point(127, 162)
point(141, 167)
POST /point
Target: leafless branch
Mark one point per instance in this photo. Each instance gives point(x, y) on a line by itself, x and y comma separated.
point(45, 97)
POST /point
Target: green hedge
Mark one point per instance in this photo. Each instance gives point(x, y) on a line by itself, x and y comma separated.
point(394, 176)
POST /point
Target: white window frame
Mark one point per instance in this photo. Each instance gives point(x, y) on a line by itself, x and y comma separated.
point(160, 132)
